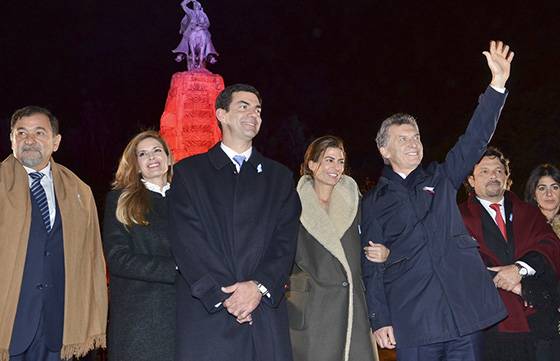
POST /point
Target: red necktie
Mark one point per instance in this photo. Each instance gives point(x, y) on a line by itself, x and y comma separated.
point(499, 219)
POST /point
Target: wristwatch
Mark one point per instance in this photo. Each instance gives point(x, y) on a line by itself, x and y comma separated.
point(261, 288)
point(522, 270)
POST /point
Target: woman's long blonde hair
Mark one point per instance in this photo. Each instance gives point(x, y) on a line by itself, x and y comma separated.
point(133, 204)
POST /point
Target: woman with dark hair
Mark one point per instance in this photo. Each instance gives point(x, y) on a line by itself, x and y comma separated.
point(142, 270)
point(543, 190)
point(326, 302)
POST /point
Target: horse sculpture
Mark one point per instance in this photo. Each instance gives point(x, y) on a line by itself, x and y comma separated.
point(196, 44)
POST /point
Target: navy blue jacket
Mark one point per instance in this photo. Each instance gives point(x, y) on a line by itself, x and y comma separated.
point(42, 286)
point(227, 227)
point(434, 285)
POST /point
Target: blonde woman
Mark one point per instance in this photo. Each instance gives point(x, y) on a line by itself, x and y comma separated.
point(142, 270)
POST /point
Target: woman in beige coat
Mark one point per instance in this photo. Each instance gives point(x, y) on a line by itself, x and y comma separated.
point(326, 303)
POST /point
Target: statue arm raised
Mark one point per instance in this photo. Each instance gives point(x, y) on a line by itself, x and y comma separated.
point(184, 4)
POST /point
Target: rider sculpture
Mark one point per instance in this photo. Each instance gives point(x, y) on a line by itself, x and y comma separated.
point(196, 44)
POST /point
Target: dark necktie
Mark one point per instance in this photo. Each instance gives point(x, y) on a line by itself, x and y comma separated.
point(499, 219)
point(38, 193)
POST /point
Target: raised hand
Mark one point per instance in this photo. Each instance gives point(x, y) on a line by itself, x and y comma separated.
point(499, 59)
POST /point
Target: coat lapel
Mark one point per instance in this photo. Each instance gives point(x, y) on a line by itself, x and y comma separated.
point(473, 221)
point(328, 229)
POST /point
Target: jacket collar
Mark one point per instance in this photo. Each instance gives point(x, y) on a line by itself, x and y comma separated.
point(415, 177)
point(328, 228)
point(473, 219)
point(510, 199)
point(219, 158)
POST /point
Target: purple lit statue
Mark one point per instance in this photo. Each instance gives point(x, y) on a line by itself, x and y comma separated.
point(196, 45)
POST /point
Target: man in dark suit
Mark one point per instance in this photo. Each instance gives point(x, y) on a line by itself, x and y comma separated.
point(523, 255)
point(53, 288)
point(233, 228)
point(433, 294)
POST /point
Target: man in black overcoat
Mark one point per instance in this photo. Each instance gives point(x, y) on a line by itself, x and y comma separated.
point(233, 229)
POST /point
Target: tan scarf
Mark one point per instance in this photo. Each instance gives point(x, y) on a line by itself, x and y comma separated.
point(85, 297)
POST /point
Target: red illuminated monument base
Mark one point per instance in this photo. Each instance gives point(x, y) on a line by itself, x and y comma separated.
point(188, 123)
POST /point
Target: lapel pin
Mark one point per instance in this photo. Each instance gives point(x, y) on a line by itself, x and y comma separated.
point(259, 168)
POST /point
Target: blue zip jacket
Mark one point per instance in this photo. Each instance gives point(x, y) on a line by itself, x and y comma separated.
point(434, 286)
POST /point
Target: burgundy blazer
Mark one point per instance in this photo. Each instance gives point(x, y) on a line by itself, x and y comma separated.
point(531, 233)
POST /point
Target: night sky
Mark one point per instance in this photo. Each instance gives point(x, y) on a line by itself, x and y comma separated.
point(104, 68)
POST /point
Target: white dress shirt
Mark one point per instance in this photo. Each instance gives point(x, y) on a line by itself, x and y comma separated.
point(231, 153)
point(155, 188)
point(486, 204)
point(48, 186)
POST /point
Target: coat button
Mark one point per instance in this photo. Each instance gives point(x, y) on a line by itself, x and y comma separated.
point(39, 286)
point(344, 284)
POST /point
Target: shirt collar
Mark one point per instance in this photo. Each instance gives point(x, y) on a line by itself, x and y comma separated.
point(46, 171)
point(487, 204)
point(403, 176)
point(155, 188)
point(231, 153)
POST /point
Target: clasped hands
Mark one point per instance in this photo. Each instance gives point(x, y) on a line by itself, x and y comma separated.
point(508, 279)
point(244, 298)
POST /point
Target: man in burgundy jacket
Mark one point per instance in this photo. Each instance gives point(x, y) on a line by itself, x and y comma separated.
point(523, 257)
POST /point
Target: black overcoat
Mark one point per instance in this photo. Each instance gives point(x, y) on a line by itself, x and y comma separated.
point(142, 277)
point(228, 227)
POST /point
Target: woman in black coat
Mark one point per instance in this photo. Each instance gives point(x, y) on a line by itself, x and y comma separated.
point(142, 270)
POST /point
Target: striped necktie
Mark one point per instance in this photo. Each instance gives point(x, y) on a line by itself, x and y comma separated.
point(38, 193)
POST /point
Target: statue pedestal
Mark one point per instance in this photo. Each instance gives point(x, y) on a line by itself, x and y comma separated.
point(188, 123)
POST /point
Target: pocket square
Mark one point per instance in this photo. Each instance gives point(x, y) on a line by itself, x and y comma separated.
point(429, 190)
